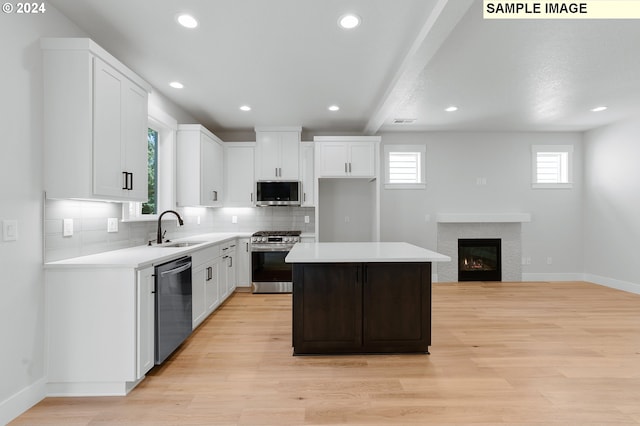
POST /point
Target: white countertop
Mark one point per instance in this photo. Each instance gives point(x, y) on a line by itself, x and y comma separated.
point(362, 252)
point(143, 256)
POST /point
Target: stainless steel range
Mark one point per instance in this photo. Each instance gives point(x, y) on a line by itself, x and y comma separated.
point(269, 272)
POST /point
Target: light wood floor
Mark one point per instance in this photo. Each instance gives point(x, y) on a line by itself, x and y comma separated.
point(502, 353)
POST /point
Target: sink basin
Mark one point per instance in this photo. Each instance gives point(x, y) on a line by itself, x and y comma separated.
point(183, 244)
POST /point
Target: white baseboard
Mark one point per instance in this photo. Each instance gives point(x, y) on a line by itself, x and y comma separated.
point(613, 283)
point(17, 404)
point(553, 277)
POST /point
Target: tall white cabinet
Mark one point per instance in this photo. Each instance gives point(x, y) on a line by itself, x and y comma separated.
point(200, 167)
point(277, 153)
point(95, 123)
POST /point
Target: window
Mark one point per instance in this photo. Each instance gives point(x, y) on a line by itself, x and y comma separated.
point(551, 166)
point(151, 206)
point(405, 166)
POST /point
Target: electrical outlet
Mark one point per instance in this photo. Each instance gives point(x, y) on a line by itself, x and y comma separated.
point(234, 219)
point(198, 220)
point(112, 224)
point(9, 230)
point(306, 219)
point(346, 219)
point(549, 260)
point(67, 227)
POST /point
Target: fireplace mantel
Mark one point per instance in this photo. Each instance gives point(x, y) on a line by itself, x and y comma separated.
point(483, 217)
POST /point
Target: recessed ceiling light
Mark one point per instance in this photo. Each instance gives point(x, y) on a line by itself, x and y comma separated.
point(451, 108)
point(349, 21)
point(187, 21)
point(176, 85)
point(245, 108)
point(334, 108)
point(598, 109)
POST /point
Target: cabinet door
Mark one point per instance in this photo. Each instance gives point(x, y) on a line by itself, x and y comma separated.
point(108, 170)
point(198, 302)
point(209, 193)
point(306, 174)
point(145, 322)
point(211, 287)
point(231, 271)
point(362, 157)
point(135, 141)
point(289, 155)
point(332, 159)
point(268, 156)
point(222, 283)
point(239, 172)
point(243, 263)
point(327, 307)
point(396, 306)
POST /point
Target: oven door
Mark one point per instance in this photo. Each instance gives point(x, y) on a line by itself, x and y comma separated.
point(269, 272)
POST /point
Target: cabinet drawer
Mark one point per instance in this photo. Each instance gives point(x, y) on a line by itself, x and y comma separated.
point(205, 255)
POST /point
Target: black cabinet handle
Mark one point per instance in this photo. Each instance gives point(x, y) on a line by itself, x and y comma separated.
point(125, 180)
point(131, 182)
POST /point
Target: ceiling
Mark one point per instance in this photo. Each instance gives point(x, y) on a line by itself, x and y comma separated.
point(409, 59)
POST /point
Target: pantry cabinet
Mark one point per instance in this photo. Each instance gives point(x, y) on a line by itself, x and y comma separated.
point(200, 167)
point(277, 153)
point(346, 156)
point(95, 123)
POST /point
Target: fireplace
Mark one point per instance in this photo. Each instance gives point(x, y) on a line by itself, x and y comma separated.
point(479, 259)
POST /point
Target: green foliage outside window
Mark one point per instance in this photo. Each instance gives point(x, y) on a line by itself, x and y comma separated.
point(151, 206)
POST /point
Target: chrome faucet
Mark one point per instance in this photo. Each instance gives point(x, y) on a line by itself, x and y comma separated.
point(180, 221)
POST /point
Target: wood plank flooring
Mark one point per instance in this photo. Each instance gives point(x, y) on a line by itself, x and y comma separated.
point(502, 353)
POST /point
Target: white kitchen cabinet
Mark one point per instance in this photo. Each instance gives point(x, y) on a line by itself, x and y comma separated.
point(307, 176)
point(277, 153)
point(95, 123)
point(346, 156)
point(145, 343)
point(200, 167)
point(243, 263)
point(239, 173)
point(228, 269)
point(205, 282)
point(98, 337)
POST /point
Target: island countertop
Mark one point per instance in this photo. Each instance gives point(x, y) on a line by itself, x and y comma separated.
point(362, 252)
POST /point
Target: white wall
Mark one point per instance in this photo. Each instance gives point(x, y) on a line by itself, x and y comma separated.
point(612, 205)
point(22, 367)
point(456, 160)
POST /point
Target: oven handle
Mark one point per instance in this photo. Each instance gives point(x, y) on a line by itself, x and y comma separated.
point(270, 249)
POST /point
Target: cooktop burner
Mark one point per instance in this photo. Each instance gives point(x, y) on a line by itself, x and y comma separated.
point(277, 233)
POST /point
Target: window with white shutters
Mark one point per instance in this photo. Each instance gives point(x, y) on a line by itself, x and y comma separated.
point(551, 166)
point(404, 166)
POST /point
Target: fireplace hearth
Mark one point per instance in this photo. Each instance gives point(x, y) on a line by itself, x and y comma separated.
point(479, 259)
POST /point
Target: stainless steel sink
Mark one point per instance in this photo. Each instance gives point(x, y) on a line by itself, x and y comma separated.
point(182, 244)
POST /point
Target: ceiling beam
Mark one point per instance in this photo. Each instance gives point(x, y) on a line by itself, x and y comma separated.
point(439, 24)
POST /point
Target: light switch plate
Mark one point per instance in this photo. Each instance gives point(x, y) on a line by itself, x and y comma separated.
point(9, 230)
point(112, 224)
point(67, 227)
point(234, 219)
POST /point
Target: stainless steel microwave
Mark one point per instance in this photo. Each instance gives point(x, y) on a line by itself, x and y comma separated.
point(278, 193)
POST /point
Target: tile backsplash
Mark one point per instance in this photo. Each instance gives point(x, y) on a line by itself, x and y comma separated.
point(90, 219)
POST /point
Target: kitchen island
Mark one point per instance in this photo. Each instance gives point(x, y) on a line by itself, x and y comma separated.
point(361, 297)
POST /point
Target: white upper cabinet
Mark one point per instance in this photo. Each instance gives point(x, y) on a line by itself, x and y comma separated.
point(239, 169)
point(277, 151)
point(353, 156)
point(200, 171)
point(307, 176)
point(95, 123)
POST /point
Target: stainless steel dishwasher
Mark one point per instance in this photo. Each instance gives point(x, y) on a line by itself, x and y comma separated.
point(173, 306)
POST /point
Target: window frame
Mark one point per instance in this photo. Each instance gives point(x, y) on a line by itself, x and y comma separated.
point(535, 150)
point(421, 149)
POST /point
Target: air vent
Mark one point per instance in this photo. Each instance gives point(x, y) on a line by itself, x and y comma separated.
point(403, 120)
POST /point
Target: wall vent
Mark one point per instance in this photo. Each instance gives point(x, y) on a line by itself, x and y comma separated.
point(403, 120)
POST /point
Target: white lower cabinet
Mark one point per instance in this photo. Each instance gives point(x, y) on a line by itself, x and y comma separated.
point(99, 330)
point(205, 292)
point(243, 263)
point(145, 343)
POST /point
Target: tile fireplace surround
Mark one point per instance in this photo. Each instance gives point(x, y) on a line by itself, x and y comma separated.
point(507, 227)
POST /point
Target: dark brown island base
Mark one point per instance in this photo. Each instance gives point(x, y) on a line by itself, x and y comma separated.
point(361, 298)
